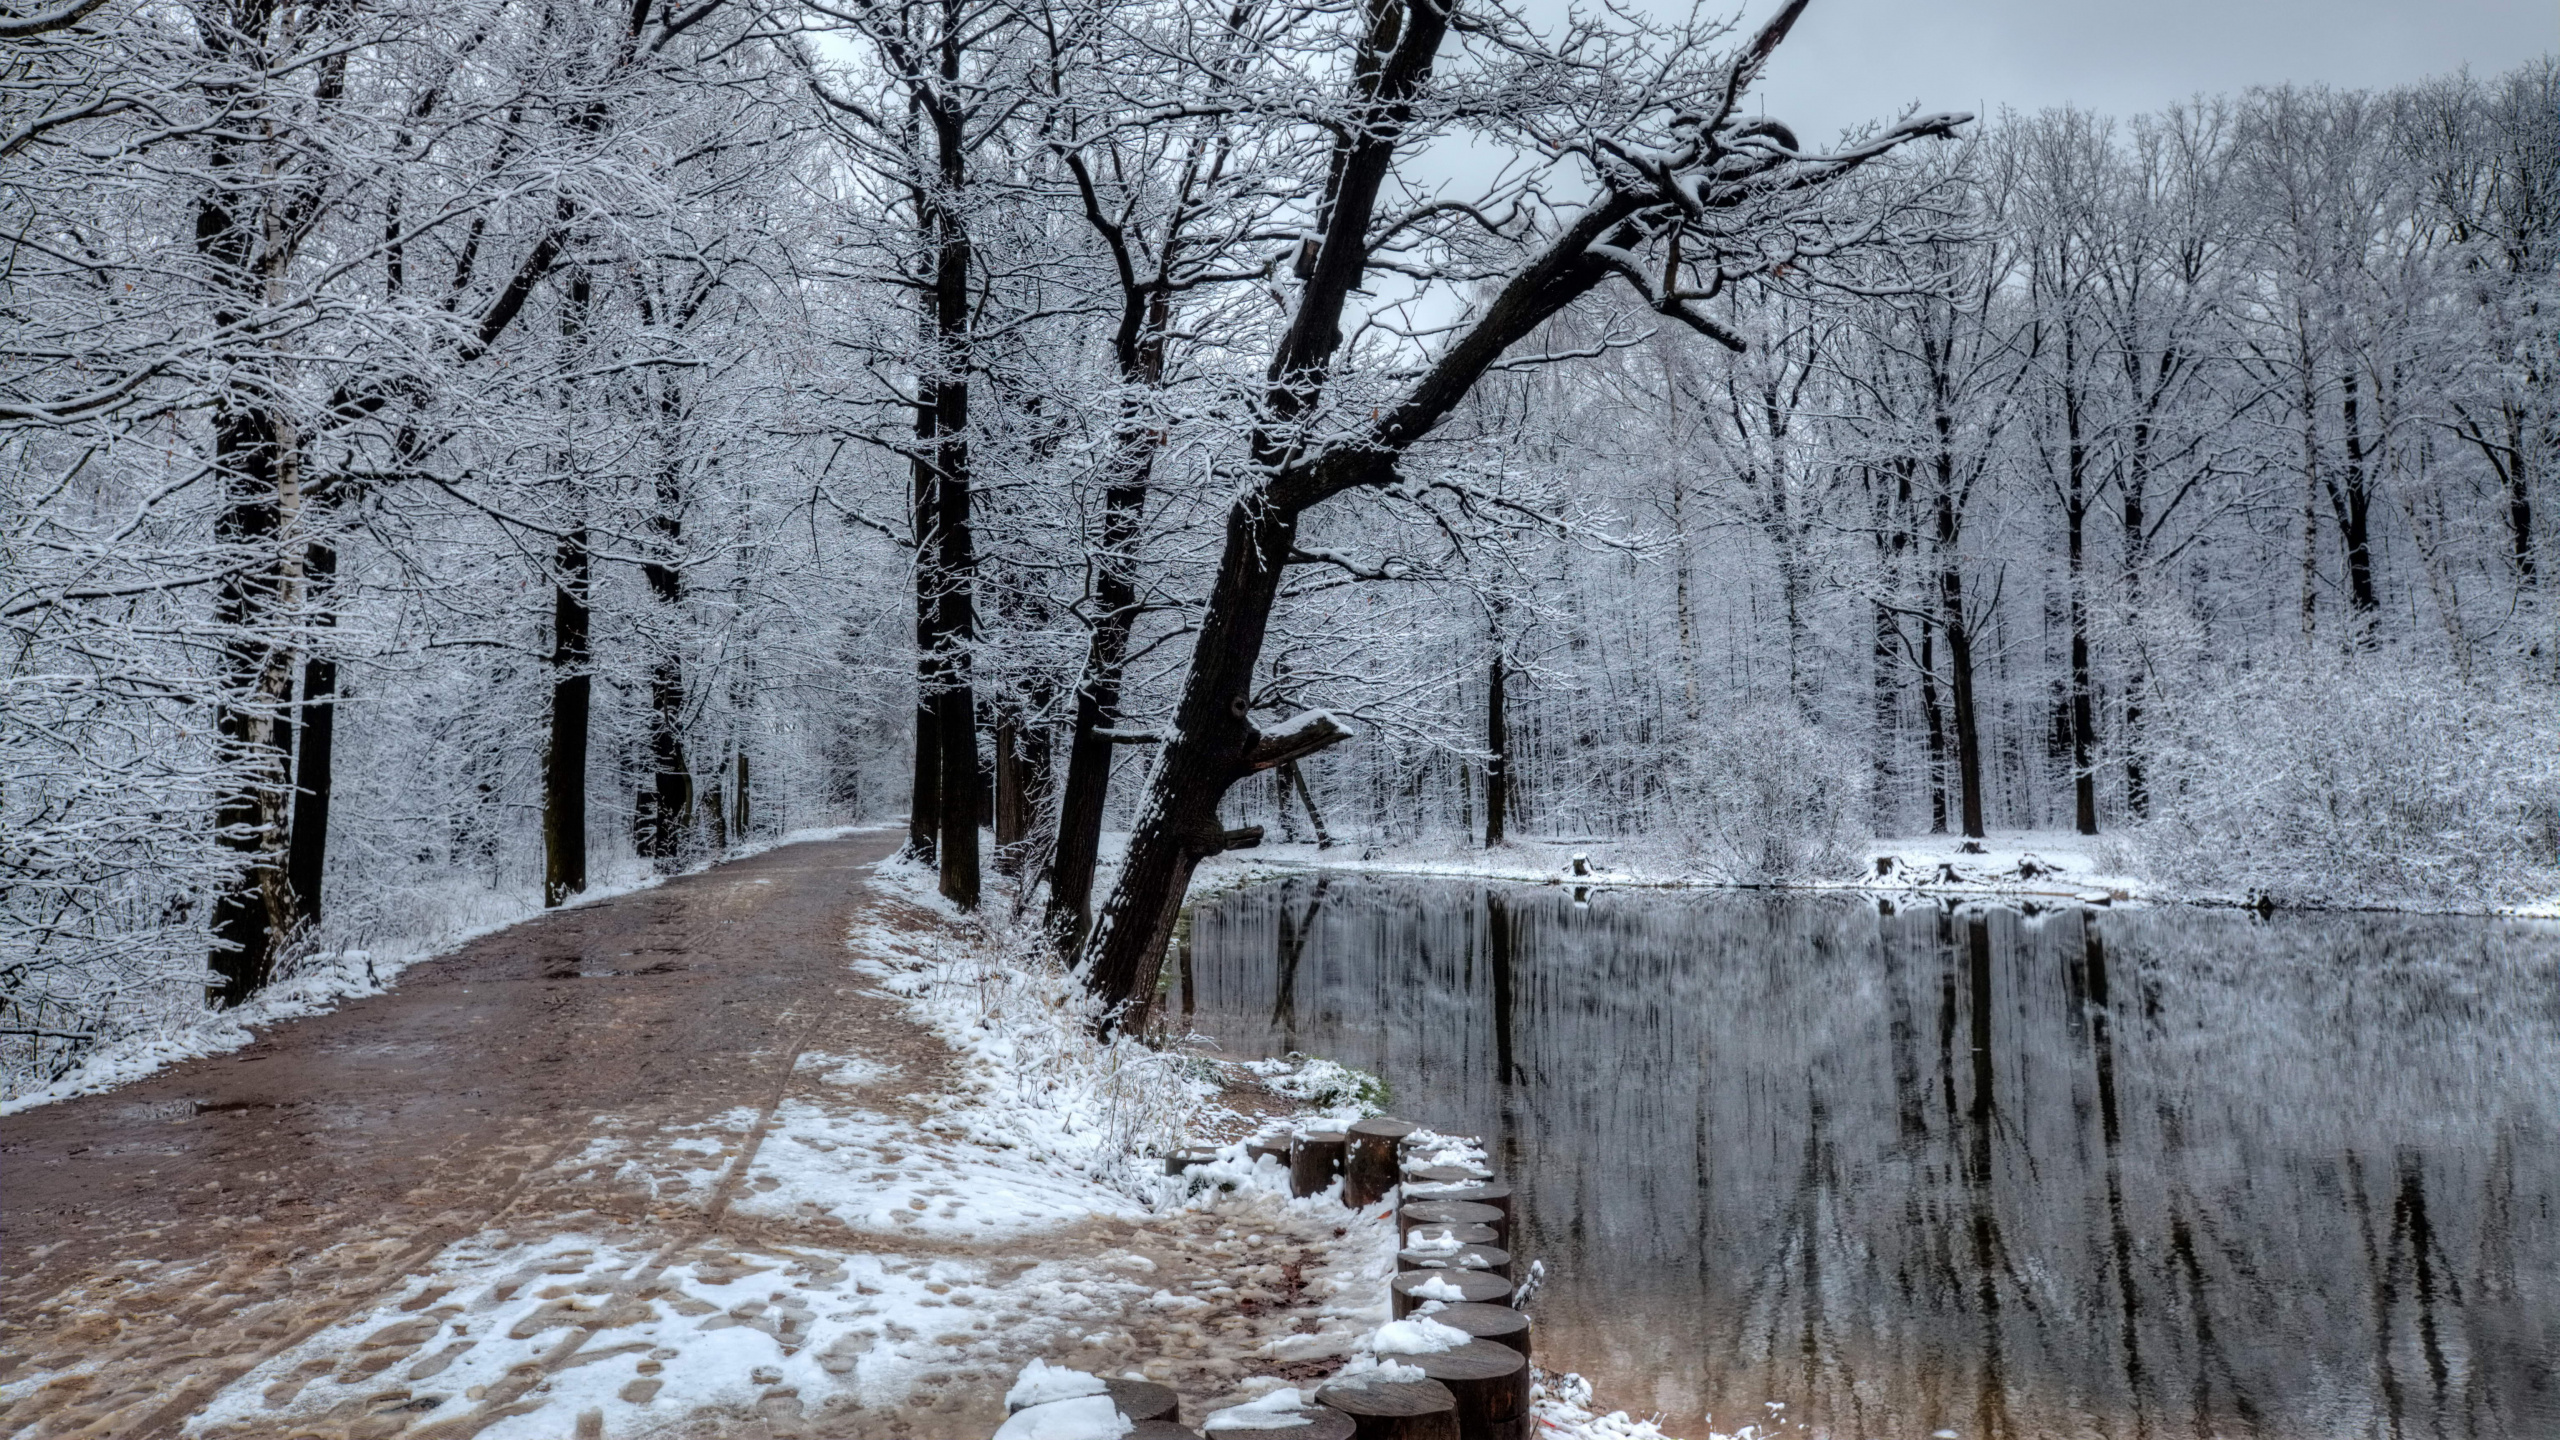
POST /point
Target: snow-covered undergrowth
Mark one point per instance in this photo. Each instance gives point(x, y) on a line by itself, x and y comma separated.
point(1034, 1080)
point(2368, 784)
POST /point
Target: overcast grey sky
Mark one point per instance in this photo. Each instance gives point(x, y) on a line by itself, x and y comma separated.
point(1856, 59)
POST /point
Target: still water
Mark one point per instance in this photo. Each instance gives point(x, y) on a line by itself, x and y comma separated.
point(1813, 1165)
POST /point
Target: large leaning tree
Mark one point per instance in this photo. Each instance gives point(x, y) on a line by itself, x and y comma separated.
point(1629, 158)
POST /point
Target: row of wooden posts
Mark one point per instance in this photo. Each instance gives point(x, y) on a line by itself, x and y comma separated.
point(1453, 1228)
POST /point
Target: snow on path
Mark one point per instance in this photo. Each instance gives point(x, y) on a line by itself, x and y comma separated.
point(856, 1258)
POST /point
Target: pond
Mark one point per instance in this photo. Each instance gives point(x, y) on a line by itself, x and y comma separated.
point(1832, 1168)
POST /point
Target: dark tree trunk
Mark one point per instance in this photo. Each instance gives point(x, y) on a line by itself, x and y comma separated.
point(2137, 520)
point(1960, 676)
point(1935, 718)
point(1497, 744)
point(1208, 753)
point(308, 844)
point(1139, 350)
point(564, 761)
point(924, 804)
point(2353, 504)
point(1293, 778)
point(2075, 513)
point(944, 483)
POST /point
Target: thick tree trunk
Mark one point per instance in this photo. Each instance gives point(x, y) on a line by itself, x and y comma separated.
point(1139, 350)
point(308, 844)
point(1960, 696)
point(564, 760)
point(254, 914)
point(924, 796)
point(1934, 717)
point(2353, 503)
point(2075, 512)
point(1209, 751)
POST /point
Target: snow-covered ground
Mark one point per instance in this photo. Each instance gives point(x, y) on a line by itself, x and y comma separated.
point(2041, 865)
point(2037, 864)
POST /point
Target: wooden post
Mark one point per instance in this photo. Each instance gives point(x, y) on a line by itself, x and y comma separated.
point(1371, 1170)
point(1143, 1400)
point(1490, 1384)
point(1498, 1323)
point(1314, 1159)
point(1394, 1409)
point(1473, 1287)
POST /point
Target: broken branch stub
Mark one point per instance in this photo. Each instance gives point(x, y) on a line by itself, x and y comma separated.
point(1299, 738)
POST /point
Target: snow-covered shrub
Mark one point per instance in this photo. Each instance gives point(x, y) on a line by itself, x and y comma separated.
point(1760, 796)
point(1323, 1084)
point(2372, 783)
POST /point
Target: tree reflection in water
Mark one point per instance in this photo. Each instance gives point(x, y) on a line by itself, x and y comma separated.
point(2167, 1172)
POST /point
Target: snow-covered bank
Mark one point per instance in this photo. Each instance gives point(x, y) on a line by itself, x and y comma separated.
point(2045, 865)
point(1038, 1088)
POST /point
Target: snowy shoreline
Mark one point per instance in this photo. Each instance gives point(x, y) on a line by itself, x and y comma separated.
point(2038, 866)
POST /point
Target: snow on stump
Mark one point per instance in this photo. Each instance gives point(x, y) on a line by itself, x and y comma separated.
point(1275, 1146)
point(1435, 1173)
point(1410, 1290)
point(1481, 1192)
point(1452, 1212)
point(1487, 1258)
point(1085, 1417)
point(1283, 1414)
point(1381, 1406)
point(1449, 1235)
point(1499, 1324)
point(1370, 1171)
point(1042, 1385)
point(1315, 1158)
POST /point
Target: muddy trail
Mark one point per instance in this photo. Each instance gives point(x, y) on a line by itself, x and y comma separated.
point(662, 1164)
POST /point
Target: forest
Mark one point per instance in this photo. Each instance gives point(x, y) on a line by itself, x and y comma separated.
point(466, 454)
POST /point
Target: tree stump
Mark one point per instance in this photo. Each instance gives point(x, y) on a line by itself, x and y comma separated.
point(1161, 1430)
point(1453, 1212)
point(1394, 1409)
point(1187, 1158)
point(1499, 1324)
point(1482, 1192)
point(1490, 1383)
point(1322, 1422)
point(1475, 1287)
point(1419, 1235)
point(1491, 1260)
point(1275, 1146)
point(1314, 1159)
point(1371, 1169)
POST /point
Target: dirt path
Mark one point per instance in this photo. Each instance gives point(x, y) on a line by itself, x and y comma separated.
point(669, 1141)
